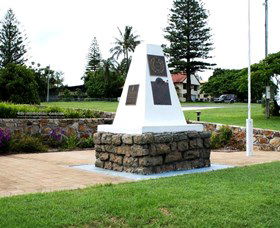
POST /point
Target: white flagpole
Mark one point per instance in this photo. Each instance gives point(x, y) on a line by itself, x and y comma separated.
point(249, 121)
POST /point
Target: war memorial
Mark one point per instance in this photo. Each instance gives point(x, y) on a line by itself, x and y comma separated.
point(149, 133)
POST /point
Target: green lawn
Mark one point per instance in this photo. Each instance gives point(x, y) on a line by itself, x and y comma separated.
point(237, 197)
point(235, 114)
point(231, 114)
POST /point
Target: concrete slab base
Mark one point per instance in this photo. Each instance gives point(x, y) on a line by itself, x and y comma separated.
point(93, 169)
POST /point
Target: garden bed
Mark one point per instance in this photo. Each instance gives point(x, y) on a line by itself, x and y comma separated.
point(8, 110)
point(40, 135)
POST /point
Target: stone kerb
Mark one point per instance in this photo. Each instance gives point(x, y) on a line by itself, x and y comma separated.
point(152, 152)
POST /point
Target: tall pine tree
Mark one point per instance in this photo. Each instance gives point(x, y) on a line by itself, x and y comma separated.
point(94, 56)
point(12, 47)
point(189, 39)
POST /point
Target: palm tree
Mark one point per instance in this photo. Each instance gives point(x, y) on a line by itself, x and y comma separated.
point(125, 44)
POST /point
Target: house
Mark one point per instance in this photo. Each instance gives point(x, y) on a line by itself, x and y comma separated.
point(201, 95)
point(180, 82)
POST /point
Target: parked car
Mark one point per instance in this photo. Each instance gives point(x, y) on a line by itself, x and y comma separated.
point(226, 98)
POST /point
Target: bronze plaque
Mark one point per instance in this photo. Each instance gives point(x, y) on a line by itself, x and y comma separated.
point(161, 92)
point(157, 65)
point(132, 94)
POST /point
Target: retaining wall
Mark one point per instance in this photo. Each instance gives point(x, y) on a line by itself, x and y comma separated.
point(264, 139)
point(79, 127)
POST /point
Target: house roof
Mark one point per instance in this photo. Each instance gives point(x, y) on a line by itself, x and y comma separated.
point(181, 78)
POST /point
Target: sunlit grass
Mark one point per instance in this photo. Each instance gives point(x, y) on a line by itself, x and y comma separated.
point(231, 114)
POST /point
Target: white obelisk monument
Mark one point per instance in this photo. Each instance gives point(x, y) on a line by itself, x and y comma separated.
point(149, 102)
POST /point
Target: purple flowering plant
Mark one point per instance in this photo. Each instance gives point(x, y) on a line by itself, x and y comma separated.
point(5, 137)
point(56, 137)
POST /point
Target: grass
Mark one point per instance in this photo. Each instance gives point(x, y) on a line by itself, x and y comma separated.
point(237, 197)
point(230, 114)
point(236, 114)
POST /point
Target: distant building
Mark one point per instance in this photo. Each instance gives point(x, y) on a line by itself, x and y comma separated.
point(180, 82)
point(201, 95)
point(58, 93)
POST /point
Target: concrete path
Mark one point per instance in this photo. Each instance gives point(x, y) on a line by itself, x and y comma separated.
point(240, 158)
point(44, 172)
point(198, 108)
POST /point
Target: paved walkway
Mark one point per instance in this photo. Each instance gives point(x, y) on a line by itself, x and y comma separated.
point(44, 172)
point(191, 108)
point(240, 158)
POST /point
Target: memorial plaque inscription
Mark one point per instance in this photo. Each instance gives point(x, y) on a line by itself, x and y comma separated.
point(161, 92)
point(132, 94)
point(157, 65)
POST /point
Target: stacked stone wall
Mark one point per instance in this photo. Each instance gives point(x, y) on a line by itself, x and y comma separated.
point(152, 153)
point(264, 139)
point(78, 127)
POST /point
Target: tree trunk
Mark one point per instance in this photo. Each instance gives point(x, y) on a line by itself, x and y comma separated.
point(189, 87)
point(127, 68)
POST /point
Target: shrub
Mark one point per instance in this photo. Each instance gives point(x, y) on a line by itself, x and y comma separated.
point(53, 109)
point(27, 144)
point(81, 113)
point(71, 113)
point(71, 142)
point(5, 137)
point(56, 138)
point(274, 108)
point(86, 142)
point(221, 138)
point(9, 110)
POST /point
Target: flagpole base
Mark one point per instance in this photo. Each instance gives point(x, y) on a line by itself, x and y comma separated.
point(249, 137)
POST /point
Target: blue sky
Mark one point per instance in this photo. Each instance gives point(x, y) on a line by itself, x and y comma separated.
point(60, 32)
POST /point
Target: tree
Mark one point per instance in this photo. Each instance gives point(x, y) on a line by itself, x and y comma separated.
point(106, 82)
point(225, 81)
point(189, 39)
point(18, 85)
point(12, 48)
point(94, 56)
point(123, 66)
point(42, 75)
point(125, 44)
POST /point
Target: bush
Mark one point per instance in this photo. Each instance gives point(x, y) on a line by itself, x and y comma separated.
point(71, 142)
point(86, 142)
point(56, 138)
point(9, 110)
point(53, 109)
point(221, 138)
point(274, 108)
point(81, 113)
point(5, 137)
point(35, 143)
point(27, 144)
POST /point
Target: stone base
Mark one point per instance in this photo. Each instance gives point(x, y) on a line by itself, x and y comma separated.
point(152, 152)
